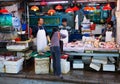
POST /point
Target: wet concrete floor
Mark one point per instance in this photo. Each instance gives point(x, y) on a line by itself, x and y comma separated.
point(9, 80)
point(83, 76)
point(74, 76)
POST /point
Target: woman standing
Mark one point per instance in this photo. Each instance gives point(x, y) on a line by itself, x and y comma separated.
point(55, 51)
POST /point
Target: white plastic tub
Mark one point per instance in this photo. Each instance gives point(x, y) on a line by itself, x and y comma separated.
point(65, 66)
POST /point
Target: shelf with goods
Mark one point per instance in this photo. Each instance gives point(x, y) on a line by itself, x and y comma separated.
point(21, 48)
point(86, 28)
point(98, 15)
point(6, 29)
point(86, 32)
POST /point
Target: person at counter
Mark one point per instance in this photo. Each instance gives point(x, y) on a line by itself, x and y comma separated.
point(64, 29)
point(64, 25)
point(41, 35)
point(55, 51)
point(109, 32)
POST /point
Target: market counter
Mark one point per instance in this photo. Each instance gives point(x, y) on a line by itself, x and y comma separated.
point(97, 52)
point(97, 57)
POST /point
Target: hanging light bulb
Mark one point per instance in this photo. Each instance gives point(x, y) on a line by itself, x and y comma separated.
point(107, 7)
point(88, 8)
point(58, 7)
point(69, 10)
point(34, 8)
point(92, 9)
point(51, 11)
point(75, 8)
point(43, 3)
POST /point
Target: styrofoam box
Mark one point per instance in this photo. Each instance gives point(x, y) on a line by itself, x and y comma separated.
point(1, 63)
point(9, 57)
point(42, 65)
point(102, 60)
point(95, 66)
point(2, 57)
point(14, 66)
point(78, 64)
point(19, 62)
point(2, 69)
point(108, 67)
point(65, 66)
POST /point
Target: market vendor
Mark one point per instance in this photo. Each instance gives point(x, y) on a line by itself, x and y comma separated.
point(109, 32)
point(64, 29)
point(41, 35)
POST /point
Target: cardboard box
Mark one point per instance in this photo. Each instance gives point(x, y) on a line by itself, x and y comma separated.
point(78, 64)
point(95, 66)
point(109, 67)
point(41, 65)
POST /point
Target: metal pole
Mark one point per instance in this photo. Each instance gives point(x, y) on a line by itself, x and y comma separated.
point(28, 20)
point(118, 5)
point(118, 22)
